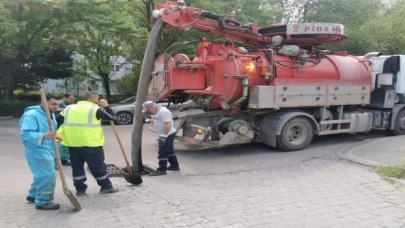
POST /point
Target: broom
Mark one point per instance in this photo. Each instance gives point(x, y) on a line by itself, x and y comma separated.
point(66, 190)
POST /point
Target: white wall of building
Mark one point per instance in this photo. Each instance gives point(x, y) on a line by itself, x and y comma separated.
point(388, 2)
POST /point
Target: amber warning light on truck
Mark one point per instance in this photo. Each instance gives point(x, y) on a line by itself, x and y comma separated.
point(248, 67)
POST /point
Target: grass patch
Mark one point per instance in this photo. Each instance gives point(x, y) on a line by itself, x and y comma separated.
point(397, 171)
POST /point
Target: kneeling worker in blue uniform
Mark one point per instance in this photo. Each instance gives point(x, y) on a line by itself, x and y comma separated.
point(39, 152)
point(80, 127)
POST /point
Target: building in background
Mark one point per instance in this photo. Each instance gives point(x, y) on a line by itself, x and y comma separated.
point(388, 2)
point(80, 83)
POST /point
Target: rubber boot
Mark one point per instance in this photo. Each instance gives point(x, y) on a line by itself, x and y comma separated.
point(30, 199)
point(173, 168)
point(81, 194)
point(157, 173)
point(108, 190)
point(49, 206)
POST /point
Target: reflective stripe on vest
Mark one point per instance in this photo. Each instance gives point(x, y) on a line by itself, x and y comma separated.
point(81, 128)
point(89, 119)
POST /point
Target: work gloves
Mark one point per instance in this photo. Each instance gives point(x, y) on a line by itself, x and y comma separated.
point(162, 140)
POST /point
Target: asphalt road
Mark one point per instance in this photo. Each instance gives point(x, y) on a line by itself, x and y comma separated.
point(211, 161)
point(231, 159)
point(240, 186)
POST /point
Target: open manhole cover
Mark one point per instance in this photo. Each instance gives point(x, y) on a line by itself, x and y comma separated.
point(113, 171)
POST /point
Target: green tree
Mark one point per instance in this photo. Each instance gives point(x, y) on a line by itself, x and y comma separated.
point(26, 29)
point(141, 12)
point(265, 12)
point(294, 11)
point(45, 64)
point(128, 85)
point(78, 81)
point(352, 14)
point(385, 32)
point(102, 34)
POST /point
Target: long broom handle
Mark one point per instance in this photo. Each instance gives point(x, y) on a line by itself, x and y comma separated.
point(50, 124)
point(122, 148)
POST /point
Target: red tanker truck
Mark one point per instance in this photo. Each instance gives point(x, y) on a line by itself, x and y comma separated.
point(271, 85)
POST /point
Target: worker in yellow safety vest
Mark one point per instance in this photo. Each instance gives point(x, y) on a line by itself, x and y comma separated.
point(80, 127)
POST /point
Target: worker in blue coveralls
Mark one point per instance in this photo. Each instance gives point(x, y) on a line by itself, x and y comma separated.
point(68, 99)
point(39, 152)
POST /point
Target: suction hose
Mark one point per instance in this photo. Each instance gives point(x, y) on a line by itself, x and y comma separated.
point(143, 85)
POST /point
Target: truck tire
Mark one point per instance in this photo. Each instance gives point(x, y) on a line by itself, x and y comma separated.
point(296, 134)
point(399, 125)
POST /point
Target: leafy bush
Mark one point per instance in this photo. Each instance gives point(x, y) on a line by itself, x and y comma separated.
point(14, 108)
point(128, 85)
point(32, 96)
point(23, 100)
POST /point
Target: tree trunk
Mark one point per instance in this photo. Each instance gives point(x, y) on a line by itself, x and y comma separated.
point(6, 74)
point(9, 90)
point(149, 4)
point(8, 84)
point(106, 85)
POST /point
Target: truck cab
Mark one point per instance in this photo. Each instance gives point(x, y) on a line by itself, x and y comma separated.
point(394, 64)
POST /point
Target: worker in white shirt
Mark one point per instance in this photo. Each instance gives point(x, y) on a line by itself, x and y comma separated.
point(163, 123)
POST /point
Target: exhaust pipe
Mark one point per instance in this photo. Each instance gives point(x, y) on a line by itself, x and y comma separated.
point(372, 54)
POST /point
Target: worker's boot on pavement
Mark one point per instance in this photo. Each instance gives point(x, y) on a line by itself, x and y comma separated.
point(30, 199)
point(108, 190)
point(173, 168)
point(81, 194)
point(157, 173)
point(49, 206)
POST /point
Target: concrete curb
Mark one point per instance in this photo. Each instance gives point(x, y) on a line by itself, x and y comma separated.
point(5, 118)
point(398, 182)
point(350, 156)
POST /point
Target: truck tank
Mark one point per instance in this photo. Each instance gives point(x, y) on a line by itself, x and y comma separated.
point(270, 85)
point(221, 74)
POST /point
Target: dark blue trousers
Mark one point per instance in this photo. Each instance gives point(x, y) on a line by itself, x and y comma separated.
point(166, 153)
point(94, 157)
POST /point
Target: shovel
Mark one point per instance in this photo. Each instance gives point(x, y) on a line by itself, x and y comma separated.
point(66, 190)
point(131, 177)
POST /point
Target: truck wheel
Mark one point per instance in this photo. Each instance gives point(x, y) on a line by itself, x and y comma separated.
point(296, 134)
point(399, 127)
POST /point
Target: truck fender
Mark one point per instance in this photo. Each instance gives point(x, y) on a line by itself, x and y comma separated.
point(273, 123)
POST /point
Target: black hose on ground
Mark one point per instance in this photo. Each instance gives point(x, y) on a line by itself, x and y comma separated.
point(143, 85)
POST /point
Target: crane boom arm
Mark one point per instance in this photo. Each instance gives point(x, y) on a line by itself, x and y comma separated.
point(177, 16)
